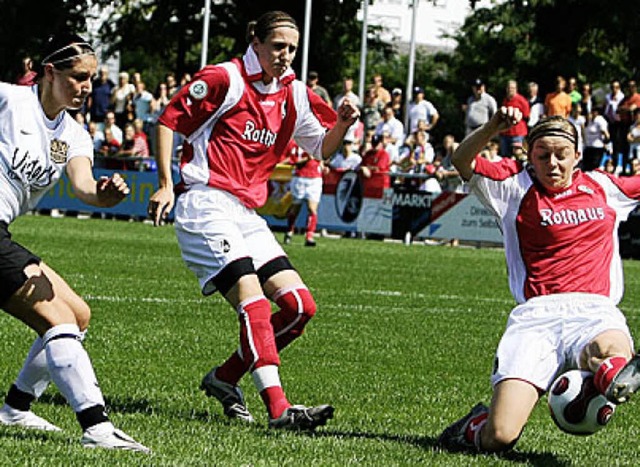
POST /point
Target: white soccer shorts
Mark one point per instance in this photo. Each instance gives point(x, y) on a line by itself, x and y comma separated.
point(546, 335)
point(214, 229)
point(306, 188)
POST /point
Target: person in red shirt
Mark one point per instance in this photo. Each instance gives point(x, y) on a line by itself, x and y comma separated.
point(237, 119)
point(514, 135)
point(375, 167)
point(306, 187)
point(560, 236)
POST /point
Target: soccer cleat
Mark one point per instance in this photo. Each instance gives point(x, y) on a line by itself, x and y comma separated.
point(25, 419)
point(230, 397)
point(626, 382)
point(310, 242)
point(299, 417)
point(106, 436)
point(453, 437)
point(287, 238)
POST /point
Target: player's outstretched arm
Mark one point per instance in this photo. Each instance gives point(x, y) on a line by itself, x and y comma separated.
point(105, 193)
point(161, 202)
point(464, 157)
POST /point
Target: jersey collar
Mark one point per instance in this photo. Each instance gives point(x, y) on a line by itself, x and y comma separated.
point(253, 69)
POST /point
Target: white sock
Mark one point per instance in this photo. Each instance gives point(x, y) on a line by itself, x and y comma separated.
point(266, 377)
point(34, 377)
point(70, 367)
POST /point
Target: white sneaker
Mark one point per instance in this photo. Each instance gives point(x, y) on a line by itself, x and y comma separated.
point(26, 419)
point(105, 435)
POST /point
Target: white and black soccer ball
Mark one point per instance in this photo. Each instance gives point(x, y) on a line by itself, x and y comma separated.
point(576, 406)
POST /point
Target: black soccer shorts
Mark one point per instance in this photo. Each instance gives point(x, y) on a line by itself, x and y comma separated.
point(13, 259)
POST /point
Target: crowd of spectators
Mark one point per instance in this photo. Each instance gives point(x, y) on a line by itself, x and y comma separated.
point(608, 130)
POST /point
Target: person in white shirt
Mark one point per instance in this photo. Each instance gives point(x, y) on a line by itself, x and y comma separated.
point(39, 141)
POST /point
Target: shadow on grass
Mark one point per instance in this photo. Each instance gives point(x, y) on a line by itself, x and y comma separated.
point(427, 442)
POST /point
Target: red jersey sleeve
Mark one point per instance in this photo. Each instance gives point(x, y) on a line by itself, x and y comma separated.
point(194, 103)
point(498, 171)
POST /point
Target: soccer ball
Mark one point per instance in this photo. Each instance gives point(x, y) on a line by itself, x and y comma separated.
point(576, 406)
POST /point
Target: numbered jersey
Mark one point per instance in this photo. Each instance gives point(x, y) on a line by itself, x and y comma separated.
point(237, 128)
point(558, 242)
point(34, 150)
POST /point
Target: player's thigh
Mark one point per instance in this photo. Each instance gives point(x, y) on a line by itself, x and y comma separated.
point(209, 233)
point(45, 300)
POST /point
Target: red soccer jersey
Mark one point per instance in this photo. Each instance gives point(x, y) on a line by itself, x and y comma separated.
point(558, 242)
point(304, 165)
point(237, 129)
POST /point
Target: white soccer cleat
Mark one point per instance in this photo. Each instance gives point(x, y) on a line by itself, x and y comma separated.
point(106, 436)
point(25, 419)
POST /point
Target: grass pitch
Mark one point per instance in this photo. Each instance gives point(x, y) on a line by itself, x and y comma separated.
point(402, 345)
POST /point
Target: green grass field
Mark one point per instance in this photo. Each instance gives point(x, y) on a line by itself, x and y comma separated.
point(402, 345)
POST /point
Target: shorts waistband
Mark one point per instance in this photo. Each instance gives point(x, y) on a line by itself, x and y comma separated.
point(571, 296)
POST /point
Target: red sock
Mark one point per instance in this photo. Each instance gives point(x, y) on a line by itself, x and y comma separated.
point(312, 223)
point(607, 370)
point(275, 400)
point(472, 433)
point(232, 370)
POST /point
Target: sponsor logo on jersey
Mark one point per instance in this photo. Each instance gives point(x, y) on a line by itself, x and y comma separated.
point(258, 135)
point(198, 89)
point(27, 169)
point(58, 151)
point(571, 216)
point(585, 189)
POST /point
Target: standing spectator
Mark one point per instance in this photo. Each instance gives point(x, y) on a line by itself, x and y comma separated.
point(558, 102)
point(346, 158)
point(587, 99)
point(347, 93)
point(172, 83)
point(596, 135)
point(30, 290)
point(579, 122)
point(383, 93)
point(99, 102)
point(112, 127)
point(422, 109)
point(27, 76)
point(375, 167)
point(391, 125)
point(143, 106)
point(633, 136)
point(616, 129)
point(97, 136)
point(306, 187)
point(121, 97)
point(371, 110)
point(355, 132)
point(515, 134)
point(625, 111)
point(397, 103)
point(227, 245)
point(574, 94)
point(447, 173)
point(536, 104)
point(565, 274)
point(313, 83)
point(479, 108)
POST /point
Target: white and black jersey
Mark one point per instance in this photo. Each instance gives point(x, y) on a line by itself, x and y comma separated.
point(33, 149)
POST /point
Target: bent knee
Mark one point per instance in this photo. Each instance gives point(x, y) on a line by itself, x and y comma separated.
point(82, 312)
point(500, 439)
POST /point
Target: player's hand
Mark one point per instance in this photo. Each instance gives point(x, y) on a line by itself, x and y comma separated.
point(348, 112)
point(160, 205)
point(507, 117)
point(111, 190)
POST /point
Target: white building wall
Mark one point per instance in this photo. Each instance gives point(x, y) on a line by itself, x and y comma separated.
point(434, 18)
